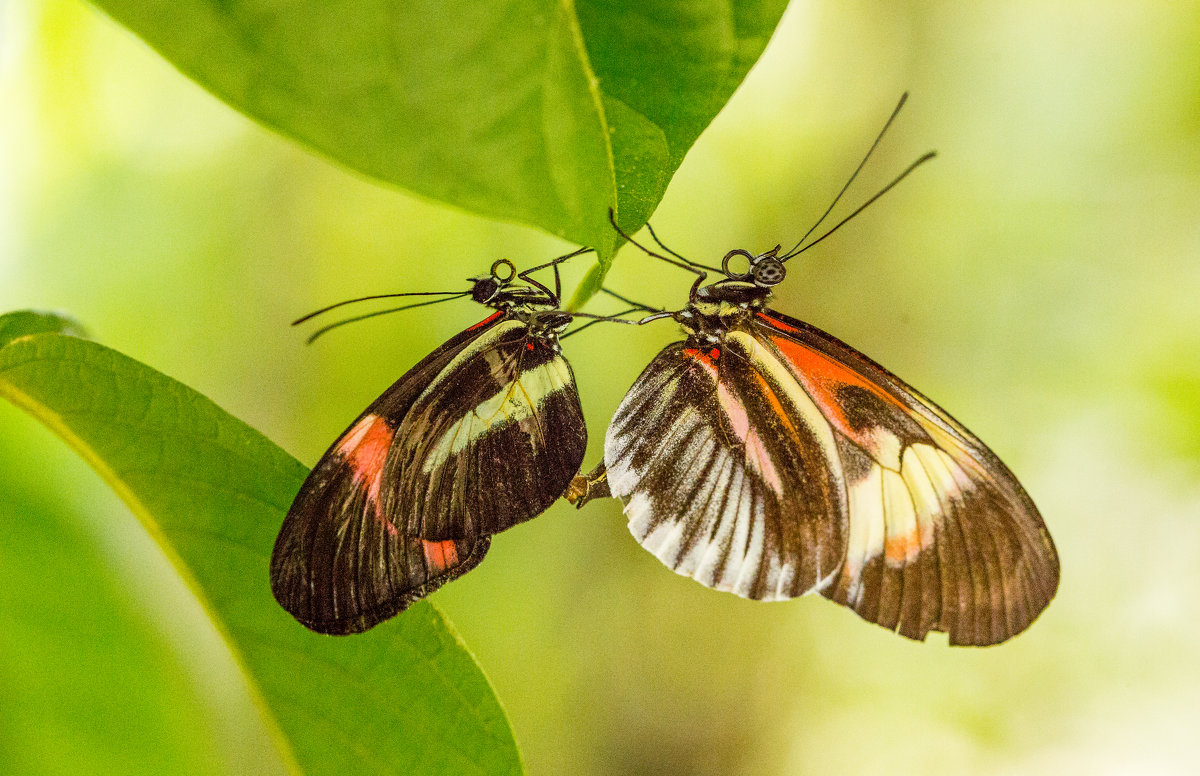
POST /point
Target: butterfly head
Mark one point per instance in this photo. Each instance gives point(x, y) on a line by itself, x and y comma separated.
point(763, 270)
point(744, 290)
point(748, 279)
point(486, 288)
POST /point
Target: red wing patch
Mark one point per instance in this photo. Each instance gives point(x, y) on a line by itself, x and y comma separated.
point(822, 377)
point(821, 368)
point(778, 324)
point(365, 449)
point(440, 556)
point(706, 357)
point(486, 321)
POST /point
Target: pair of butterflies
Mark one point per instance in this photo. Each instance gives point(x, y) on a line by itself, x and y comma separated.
point(759, 456)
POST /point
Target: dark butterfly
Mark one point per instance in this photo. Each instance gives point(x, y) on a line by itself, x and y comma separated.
point(484, 433)
point(766, 458)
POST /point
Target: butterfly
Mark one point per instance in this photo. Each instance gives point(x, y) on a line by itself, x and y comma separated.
point(482, 434)
point(764, 457)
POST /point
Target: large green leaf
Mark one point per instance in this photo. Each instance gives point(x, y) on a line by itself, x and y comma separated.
point(543, 111)
point(404, 698)
point(90, 683)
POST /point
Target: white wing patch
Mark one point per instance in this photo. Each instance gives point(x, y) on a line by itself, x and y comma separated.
point(897, 514)
point(866, 528)
point(515, 401)
point(908, 503)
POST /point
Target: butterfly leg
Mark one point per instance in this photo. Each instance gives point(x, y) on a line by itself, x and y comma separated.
point(701, 275)
point(555, 296)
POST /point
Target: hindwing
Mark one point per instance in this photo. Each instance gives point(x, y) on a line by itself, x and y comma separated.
point(941, 536)
point(729, 472)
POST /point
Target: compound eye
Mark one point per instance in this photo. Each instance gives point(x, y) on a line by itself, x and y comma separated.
point(484, 289)
point(503, 270)
point(768, 272)
point(728, 268)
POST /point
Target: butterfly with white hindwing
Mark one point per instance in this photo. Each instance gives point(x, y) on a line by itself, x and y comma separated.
point(764, 457)
point(482, 434)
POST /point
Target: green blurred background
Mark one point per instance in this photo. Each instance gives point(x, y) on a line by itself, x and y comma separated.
point(1040, 279)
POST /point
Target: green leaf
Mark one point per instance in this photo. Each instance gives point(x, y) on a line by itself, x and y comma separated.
point(666, 68)
point(90, 683)
point(405, 698)
point(26, 322)
point(543, 111)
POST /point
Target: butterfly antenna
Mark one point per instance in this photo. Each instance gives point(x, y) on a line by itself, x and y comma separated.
point(864, 205)
point(685, 260)
point(857, 170)
point(325, 329)
point(324, 310)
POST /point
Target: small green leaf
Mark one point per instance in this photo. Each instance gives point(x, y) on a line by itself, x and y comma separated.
point(405, 698)
point(22, 323)
point(666, 68)
point(543, 111)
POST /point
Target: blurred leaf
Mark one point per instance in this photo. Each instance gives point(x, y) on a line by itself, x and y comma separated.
point(25, 322)
point(405, 698)
point(90, 686)
point(542, 111)
point(1176, 387)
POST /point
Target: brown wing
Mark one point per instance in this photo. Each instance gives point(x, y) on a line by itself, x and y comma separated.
point(341, 562)
point(941, 534)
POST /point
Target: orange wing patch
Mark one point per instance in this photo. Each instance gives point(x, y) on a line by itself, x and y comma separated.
point(822, 377)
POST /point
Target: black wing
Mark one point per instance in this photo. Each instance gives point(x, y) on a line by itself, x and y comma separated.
point(941, 534)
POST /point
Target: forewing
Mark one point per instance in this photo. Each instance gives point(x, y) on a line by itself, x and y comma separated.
point(340, 563)
point(728, 472)
point(493, 441)
point(941, 534)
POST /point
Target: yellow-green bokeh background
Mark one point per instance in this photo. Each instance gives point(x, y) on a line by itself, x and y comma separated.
point(1041, 280)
